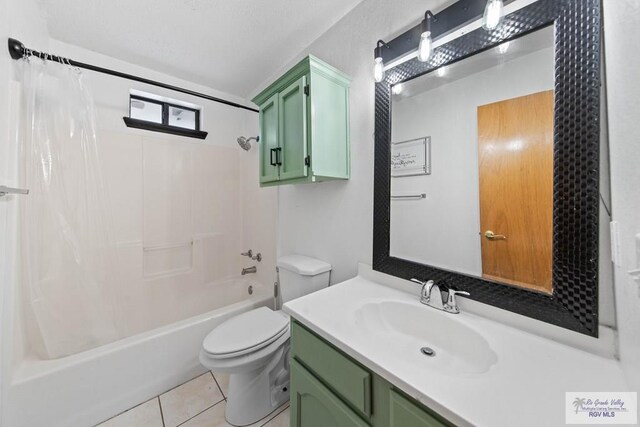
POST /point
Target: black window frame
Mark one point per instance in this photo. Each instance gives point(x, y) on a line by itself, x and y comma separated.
point(164, 127)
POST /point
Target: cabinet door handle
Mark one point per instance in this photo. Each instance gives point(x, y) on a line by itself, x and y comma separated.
point(271, 153)
point(278, 158)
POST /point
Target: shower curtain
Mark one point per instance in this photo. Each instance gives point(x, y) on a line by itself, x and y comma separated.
point(68, 274)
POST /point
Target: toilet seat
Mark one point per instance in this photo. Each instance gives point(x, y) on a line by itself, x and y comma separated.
point(246, 333)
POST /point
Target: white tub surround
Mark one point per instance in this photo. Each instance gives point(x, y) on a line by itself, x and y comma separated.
point(497, 376)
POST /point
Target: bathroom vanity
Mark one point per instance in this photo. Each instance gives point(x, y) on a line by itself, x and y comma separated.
point(357, 359)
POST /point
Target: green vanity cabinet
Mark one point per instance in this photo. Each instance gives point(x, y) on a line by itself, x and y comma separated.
point(304, 125)
point(328, 388)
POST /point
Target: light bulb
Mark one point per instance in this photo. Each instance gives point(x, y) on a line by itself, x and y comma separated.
point(425, 47)
point(492, 17)
point(378, 70)
point(397, 89)
point(504, 47)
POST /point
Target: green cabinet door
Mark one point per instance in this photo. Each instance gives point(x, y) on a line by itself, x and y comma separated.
point(292, 108)
point(269, 124)
point(403, 413)
point(313, 405)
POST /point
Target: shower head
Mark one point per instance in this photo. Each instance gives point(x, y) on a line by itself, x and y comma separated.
point(245, 143)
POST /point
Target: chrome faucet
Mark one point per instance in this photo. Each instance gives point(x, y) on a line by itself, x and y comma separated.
point(431, 295)
point(253, 269)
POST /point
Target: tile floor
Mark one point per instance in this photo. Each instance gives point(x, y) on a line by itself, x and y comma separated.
point(196, 403)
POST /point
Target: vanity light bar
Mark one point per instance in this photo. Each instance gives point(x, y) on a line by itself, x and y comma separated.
point(510, 8)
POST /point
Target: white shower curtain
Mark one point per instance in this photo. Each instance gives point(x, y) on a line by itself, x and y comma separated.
point(68, 270)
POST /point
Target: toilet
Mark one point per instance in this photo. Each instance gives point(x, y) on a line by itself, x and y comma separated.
point(253, 347)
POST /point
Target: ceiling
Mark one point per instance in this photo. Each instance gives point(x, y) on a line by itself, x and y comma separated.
point(229, 45)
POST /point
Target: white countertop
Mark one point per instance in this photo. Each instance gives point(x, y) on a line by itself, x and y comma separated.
point(525, 387)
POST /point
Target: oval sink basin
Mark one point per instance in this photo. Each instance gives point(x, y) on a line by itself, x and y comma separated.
point(406, 328)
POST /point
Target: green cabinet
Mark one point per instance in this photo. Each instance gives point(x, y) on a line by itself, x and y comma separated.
point(304, 125)
point(330, 389)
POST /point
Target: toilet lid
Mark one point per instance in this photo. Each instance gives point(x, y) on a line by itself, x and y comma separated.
point(246, 332)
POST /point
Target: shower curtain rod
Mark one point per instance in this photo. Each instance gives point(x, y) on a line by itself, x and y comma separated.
point(18, 50)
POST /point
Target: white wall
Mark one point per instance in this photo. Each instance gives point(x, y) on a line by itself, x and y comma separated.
point(333, 220)
point(622, 32)
point(450, 214)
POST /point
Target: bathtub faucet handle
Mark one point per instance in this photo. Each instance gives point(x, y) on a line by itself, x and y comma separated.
point(249, 253)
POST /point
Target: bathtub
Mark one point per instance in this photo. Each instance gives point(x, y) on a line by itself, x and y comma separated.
point(87, 388)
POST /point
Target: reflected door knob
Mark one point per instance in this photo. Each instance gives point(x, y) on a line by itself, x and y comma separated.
point(490, 235)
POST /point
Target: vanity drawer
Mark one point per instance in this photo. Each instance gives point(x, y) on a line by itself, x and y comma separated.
point(343, 376)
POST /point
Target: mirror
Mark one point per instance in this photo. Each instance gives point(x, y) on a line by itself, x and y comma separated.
point(457, 137)
point(472, 146)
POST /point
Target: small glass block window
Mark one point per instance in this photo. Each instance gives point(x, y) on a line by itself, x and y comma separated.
point(163, 113)
point(144, 109)
point(183, 117)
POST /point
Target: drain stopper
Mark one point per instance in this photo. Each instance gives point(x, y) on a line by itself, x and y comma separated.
point(428, 351)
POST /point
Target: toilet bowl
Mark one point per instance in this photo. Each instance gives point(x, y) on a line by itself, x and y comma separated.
point(253, 347)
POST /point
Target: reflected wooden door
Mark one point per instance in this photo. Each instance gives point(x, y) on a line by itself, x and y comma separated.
point(515, 148)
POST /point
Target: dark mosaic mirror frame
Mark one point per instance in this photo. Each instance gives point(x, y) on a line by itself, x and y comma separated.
point(574, 302)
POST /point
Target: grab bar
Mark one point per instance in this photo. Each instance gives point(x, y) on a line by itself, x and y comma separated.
point(4, 190)
point(410, 196)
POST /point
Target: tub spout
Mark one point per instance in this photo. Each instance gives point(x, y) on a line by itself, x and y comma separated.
point(249, 270)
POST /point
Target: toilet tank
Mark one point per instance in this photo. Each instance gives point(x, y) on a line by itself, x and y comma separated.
point(300, 275)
